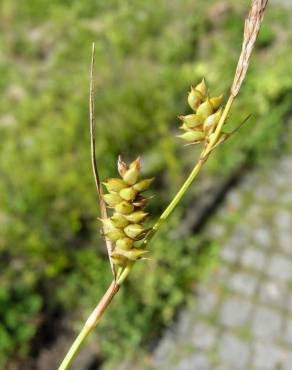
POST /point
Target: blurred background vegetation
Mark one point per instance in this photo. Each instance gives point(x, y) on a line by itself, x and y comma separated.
point(53, 263)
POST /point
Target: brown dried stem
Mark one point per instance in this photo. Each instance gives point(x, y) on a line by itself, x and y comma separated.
point(251, 29)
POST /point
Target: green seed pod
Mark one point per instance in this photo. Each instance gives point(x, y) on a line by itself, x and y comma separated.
point(143, 185)
point(216, 101)
point(115, 185)
point(112, 199)
point(194, 98)
point(128, 193)
point(115, 234)
point(133, 230)
point(131, 176)
point(132, 254)
point(191, 120)
point(107, 224)
point(192, 136)
point(124, 243)
point(124, 207)
point(212, 120)
point(137, 216)
point(118, 220)
point(202, 88)
point(119, 260)
point(205, 109)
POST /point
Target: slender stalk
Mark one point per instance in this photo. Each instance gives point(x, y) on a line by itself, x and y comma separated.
point(89, 325)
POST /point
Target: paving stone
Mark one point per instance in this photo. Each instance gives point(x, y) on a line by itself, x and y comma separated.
point(217, 230)
point(185, 323)
point(243, 283)
point(254, 258)
point(262, 237)
point(234, 200)
point(235, 312)
point(283, 219)
point(285, 241)
point(266, 323)
point(206, 302)
point(287, 363)
point(266, 356)
point(234, 352)
point(255, 313)
point(280, 268)
point(288, 332)
point(273, 293)
point(229, 253)
point(203, 336)
point(196, 362)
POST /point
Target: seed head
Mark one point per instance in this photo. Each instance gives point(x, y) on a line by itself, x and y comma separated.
point(199, 125)
point(125, 226)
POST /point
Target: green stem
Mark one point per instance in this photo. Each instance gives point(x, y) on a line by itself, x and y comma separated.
point(89, 325)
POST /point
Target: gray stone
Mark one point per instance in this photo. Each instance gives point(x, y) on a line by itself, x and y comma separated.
point(283, 219)
point(266, 323)
point(161, 355)
point(280, 268)
point(216, 230)
point(234, 352)
point(288, 362)
point(285, 241)
point(229, 253)
point(203, 336)
point(288, 332)
point(197, 361)
point(185, 323)
point(262, 237)
point(243, 283)
point(273, 293)
point(234, 200)
point(235, 312)
point(206, 302)
point(254, 258)
point(266, 356)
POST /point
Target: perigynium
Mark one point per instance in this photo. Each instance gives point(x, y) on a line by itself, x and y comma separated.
point(125, 236)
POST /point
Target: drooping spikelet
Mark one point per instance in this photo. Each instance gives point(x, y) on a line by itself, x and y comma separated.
point(125, 227)
point(201, 124)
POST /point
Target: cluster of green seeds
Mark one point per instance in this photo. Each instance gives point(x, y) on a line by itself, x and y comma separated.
point(125, 227)
point(201, 124)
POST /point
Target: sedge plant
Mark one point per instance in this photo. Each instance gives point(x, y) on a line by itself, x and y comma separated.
point(122, 208)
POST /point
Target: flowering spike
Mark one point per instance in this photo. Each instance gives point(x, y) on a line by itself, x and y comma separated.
point(125, 226)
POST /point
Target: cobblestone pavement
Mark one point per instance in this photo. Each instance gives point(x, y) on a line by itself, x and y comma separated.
point(242, 317)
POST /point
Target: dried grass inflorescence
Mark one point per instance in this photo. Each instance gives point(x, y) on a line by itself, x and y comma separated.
point(125, 227)
point(201, 124)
